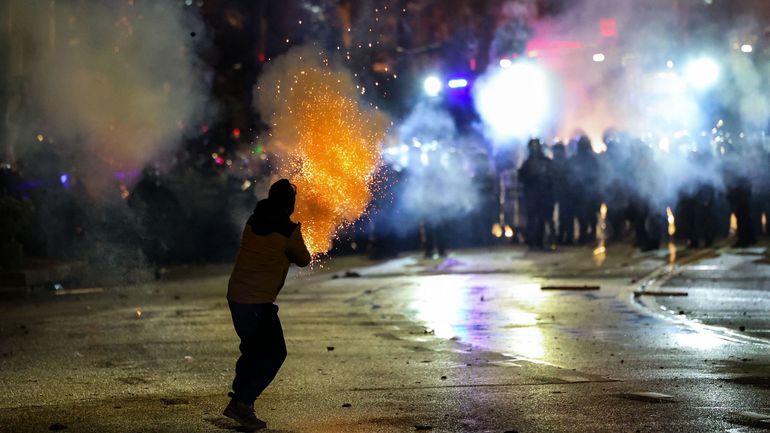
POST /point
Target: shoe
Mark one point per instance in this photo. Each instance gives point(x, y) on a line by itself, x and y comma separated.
point(243, 414)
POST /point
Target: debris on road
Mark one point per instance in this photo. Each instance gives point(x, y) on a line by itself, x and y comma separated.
point(638, 293)
point(329, 348)
point(569, 288)
point(423, 427)
point(84, 291)
point(653, 397)
point(57, 426)
point(346, 405)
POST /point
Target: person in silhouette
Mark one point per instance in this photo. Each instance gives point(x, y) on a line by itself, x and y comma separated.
point(563, 194)
point(269, 244)
point(536, 177)
point(585, 170)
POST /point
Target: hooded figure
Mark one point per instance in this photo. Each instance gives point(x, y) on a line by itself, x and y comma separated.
point(270, 243)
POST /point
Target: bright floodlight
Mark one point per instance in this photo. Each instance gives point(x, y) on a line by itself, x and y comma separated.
point(514, 102)
point(505, 63)
point(598, 57)
point(702, 73)
point(747, 48)
point(432, 86)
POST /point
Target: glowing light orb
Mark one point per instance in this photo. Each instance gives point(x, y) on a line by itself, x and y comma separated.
point(599, 57)
point(702, 73)
point(513, 102)
point(432, 86)
point(457, 83)
point(326, 142)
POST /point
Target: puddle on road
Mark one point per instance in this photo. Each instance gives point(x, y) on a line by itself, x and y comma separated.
point(454, 307)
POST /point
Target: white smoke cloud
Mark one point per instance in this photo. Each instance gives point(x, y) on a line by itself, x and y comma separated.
point(437, 182)
point(110, 85)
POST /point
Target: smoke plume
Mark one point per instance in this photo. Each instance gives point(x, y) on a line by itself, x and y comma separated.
point(437, 182)
point(109, 86)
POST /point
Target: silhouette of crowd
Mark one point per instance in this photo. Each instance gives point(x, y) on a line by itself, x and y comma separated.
point(696, 193)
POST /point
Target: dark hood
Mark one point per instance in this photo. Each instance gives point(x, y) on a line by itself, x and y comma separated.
point(268, 218)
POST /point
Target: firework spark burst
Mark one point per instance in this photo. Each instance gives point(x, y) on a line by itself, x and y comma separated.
point(324, 139)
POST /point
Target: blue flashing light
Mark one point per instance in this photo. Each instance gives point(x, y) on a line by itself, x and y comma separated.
point(457, 83)
point(64, 178)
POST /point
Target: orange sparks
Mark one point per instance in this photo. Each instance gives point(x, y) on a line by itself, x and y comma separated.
point(327, 143)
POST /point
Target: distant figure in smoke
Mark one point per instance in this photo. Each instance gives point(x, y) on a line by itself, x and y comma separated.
point(646, 222)
point(760, 203)
point(536, 178)
point(696, 206)
point(160, 217)
point(270, 243)
point(615, 188)
point(563, 194)
point(435, 223)
point(434, 238)
point(585, 170)
point(739, 196)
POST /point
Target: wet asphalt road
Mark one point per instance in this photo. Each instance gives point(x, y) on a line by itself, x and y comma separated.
point(467, 344)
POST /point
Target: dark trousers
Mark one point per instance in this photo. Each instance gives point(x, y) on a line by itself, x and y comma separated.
point(587, 220)
point(538, 216)
point(566, 233)
point(263, 348)
point(745, 230)
point(435, 238)
point(740, 202)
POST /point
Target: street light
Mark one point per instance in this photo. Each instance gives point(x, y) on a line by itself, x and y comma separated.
point(702, 73)
point(432, 86)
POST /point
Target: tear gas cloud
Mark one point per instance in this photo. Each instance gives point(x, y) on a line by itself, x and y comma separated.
point(437, 182)
point(325, 140)
point(110, 85)
point(640, 78)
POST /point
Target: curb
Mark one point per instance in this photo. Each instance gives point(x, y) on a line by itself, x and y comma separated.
point(644, 293)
